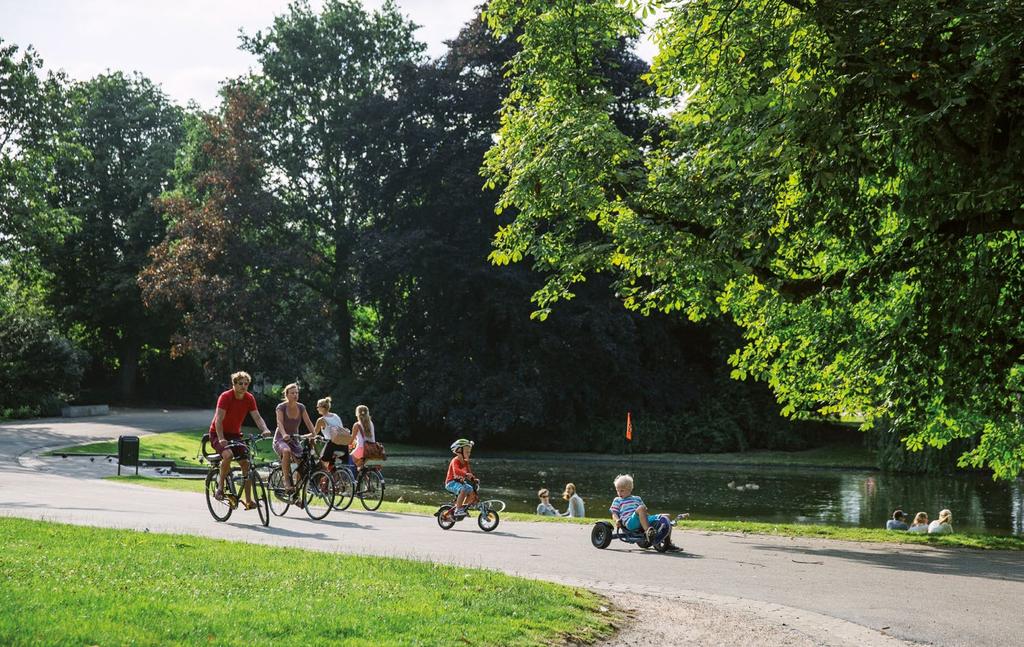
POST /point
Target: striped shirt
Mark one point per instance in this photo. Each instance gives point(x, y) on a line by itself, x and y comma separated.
point(625, 506)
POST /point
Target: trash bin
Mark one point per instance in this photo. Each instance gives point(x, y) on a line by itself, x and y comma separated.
point(128, 453)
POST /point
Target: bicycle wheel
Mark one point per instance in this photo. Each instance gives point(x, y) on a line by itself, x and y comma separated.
point(444, 517)
point(280, 500)
point(344, 489)
point(488, 520)
point(259, 494)
point(220, 510)
point(318, 494)
point(370, 489)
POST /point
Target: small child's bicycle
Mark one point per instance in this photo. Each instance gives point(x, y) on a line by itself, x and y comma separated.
point(488, 518)
point(603, 534)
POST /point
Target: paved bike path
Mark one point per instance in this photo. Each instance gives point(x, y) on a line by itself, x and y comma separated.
point(842, 593)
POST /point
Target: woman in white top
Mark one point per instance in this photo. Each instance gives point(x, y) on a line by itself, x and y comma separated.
point(362, 433)
point(942, 525)
point(329, 425)
point(575, 508)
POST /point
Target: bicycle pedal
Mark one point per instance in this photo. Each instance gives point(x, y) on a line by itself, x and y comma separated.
point(232, 500)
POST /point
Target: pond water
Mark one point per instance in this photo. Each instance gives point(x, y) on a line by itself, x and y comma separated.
point(782, 494)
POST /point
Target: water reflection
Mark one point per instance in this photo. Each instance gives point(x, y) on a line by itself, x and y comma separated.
point(784, 495)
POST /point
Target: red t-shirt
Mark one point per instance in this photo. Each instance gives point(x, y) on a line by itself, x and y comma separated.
point(236, 410)
point(458, 468)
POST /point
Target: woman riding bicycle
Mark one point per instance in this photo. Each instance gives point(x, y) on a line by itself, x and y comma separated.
point(290, 414)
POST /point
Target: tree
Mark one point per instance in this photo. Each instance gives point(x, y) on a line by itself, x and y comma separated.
point(331, 84)
point(35, 132)
point(219, 264)
point(843, 181)
point(38, 364)
point(130, 132)
point(458, 354)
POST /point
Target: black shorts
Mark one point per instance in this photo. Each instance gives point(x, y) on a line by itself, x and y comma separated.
point(238, 448)
point(330, 449)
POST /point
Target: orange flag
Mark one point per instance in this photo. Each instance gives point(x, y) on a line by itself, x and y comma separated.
point(629, 426)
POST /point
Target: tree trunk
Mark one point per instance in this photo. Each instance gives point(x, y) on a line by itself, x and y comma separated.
point(128, 355)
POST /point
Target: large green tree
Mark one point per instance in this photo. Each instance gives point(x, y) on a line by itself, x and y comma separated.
point(35, 133)
point(843, 180)
point(39, 365)
point(332, 85)
point(458, 352)
point(130, 132)
point(220, 264)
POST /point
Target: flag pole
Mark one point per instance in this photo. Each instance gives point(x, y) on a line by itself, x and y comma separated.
point(629, 440)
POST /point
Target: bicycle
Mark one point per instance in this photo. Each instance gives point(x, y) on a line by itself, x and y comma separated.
point(234, 482)
point(488, 518)
point(369, 486)
point(314, 491)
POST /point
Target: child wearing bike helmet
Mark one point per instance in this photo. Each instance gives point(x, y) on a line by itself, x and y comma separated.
point(460, 480)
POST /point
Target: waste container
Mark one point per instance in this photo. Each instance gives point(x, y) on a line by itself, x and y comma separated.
point(128, 453)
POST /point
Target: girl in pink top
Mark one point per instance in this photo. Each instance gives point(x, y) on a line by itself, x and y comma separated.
point(362, 433)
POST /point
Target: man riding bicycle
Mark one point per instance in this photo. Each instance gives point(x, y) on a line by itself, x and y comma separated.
point(226, 432)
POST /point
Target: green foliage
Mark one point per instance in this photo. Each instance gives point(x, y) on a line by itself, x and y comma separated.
point(34, 137)
point(129, 132)
point(39, 368)
point(841, 180)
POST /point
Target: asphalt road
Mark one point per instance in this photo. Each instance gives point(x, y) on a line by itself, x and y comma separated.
point(841, 593)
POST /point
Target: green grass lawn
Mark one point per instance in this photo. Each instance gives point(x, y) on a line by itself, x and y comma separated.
point(71, 585)
point(183, 447)
point(870, 535)
point(179, 446)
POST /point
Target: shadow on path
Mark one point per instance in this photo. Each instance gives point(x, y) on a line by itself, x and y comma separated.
point(281, 532)
point(998, 565)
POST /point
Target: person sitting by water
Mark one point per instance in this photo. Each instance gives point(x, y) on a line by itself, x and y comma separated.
point(898, 521)
point(942, 525)
point(575, 508)
point(544, 508)
point(920, 525)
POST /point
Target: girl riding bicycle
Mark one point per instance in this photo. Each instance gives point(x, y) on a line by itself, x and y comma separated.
point(338, 437)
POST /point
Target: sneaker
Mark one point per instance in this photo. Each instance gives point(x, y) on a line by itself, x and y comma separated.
point(672, 548)
point(460, 513)
point(652, 534)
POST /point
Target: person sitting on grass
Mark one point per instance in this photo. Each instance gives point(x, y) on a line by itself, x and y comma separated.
point(898, 521)
point(460, 479)
point(920, 525)
point(942, 525)
point(629, 511)
point(575, 508)
point(544, 508)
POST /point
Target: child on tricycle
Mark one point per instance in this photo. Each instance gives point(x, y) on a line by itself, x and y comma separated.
point(635, 525)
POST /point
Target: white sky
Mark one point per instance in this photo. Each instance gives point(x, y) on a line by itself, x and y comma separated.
point(186, 46)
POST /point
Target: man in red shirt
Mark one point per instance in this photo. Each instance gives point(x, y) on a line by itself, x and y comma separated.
point(226, 431)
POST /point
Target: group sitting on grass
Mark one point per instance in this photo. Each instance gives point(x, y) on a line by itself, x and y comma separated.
point(575, 507)
point(941, 526)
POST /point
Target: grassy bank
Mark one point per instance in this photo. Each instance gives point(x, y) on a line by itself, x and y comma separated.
point(183, 447)
point(95, 586)
point(870, 535)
